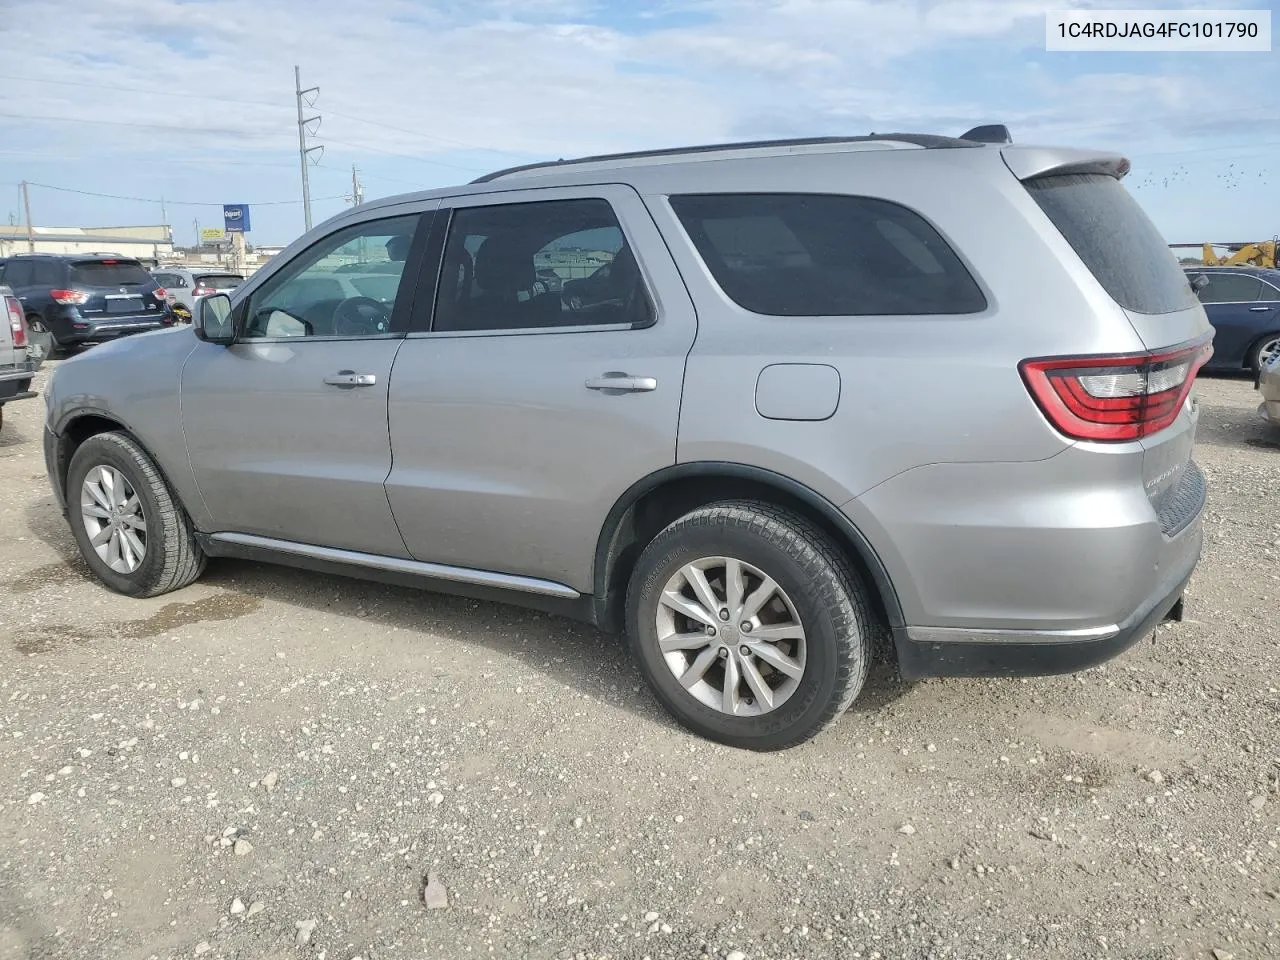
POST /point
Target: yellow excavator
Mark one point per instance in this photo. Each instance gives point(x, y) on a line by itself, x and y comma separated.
point(1259, 254)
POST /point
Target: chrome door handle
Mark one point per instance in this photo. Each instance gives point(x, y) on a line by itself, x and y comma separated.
point(1260, 309)
point(622, 383)
point(349, 378)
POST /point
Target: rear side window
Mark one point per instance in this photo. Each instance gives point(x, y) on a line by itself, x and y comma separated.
point(1115, 239)
point(109, 273)
point(819, 255)
point(531, 266)
point(1230, 288)
point(17, 273)
point(46, 273)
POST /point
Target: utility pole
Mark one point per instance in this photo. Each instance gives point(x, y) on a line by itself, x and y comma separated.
point(303, 149)
point(26, 208)
point(357, 190)
point(196, 223)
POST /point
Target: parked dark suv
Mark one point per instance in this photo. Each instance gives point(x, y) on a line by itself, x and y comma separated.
point(83, 299)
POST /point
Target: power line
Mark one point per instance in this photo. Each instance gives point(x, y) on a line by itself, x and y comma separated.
point(116, 123)
point(150, 93)
point(183, 203)
point(426, 136)
point(406, 156)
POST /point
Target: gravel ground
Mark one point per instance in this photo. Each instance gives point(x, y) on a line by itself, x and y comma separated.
point(270, 762)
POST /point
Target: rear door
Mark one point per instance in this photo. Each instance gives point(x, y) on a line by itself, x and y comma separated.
point(287, 428)
point(530, 401)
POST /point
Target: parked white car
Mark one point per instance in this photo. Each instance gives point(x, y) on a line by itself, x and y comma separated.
point(186, 288)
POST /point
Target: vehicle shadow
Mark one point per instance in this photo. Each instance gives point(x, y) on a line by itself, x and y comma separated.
point(1234, 425)
point(577, 656)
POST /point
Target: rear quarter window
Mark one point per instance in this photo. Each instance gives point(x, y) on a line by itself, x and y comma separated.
point(826, 255)
point(1115, 239)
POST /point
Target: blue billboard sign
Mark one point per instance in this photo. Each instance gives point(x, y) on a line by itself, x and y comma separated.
point(235, 216)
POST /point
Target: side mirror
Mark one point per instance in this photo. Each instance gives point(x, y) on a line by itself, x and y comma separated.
point(1199, 282)
point(214, 321)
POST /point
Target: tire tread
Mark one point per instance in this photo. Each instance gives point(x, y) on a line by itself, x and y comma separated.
point(184, 561)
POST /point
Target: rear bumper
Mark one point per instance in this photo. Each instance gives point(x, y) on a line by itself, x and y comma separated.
point(974, 653)
point(71, 328)
point(15, 384)
point(93, 332)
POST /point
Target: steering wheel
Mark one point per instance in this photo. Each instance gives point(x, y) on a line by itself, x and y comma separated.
point(361, 317)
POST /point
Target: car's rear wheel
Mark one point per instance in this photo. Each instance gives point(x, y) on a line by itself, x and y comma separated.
point(1264, 350)
point(750, 625)
point(129, 526)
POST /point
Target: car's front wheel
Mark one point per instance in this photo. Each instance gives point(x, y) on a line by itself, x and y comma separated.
point(1264, 350)
point(750, 625)
point(129, 526)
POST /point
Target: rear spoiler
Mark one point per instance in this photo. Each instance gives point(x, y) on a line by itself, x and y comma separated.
point(1027, 163)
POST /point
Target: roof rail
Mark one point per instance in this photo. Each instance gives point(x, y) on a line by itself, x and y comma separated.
point(926, 140)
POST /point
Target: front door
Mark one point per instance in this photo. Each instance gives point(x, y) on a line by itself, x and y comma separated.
point(547, 384)
point(287, 428)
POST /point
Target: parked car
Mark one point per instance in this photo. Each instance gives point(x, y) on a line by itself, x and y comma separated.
point(745, 457)
point(184, 288)
point(1243, 304)
point(16, 368)
point(1269, 387)
point(73, 300)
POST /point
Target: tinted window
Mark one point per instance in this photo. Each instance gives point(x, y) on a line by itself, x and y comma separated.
point(17, 273)
point(220, 281)
point(1230, 288)
point(46, 273)
point(322, 293)
point(1115, 239)
point(826, 255)
point(109, 273)
point(561, 263)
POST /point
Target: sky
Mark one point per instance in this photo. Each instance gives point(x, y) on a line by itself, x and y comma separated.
point(193, 101)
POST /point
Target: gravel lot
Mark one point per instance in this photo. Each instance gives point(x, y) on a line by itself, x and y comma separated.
point(268, 763)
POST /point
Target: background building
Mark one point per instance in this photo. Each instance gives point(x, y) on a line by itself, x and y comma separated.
point(148, 244)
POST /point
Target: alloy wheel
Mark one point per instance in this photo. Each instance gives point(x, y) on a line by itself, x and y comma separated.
point(113, 519)
point(731, 636)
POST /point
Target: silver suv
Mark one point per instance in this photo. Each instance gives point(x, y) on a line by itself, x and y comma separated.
point(784, 403)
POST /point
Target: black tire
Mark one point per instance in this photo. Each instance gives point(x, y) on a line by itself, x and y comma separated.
point(1255, 352)
point(173, 559)
point(830, 599)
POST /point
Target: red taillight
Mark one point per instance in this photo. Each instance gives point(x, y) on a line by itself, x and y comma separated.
point(202, 291)
point(1115, 398)
point(69, 296)
point(160, 293)
point(17, 324)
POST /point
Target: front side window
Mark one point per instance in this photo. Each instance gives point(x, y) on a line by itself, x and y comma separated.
point(797, 255)
point(1230, 288)
point(344, 286)
point(530, 266)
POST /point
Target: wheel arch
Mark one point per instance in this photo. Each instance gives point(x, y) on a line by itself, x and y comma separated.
point(1254, 344)
point(77, 426)
point(658, 499)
